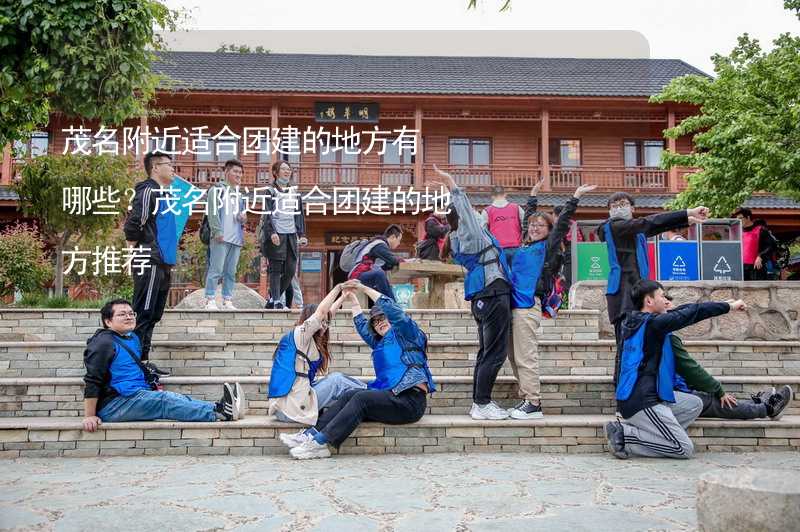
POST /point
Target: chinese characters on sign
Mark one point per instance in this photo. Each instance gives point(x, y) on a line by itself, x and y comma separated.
point(345, 112)
point(198, 140)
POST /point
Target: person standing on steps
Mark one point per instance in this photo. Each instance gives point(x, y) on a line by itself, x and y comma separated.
point(537, 294)
point(281, 232)
point(487, 287)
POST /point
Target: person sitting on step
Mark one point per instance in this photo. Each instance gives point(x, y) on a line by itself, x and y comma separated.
point(299, 384)
point(119, 387)
point(655, 415)
point(397, 396)
point(718, 403)
point(536, 281)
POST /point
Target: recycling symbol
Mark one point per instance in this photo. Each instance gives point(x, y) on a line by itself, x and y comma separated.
point(679, 262)
point(722, 266)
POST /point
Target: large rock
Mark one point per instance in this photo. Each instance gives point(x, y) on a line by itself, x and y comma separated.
point(745, 500)
point(243, 298)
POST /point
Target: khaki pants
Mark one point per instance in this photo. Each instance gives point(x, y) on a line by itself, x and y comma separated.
point(523, 351)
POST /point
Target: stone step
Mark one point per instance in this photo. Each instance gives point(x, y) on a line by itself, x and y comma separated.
point(256, 435)
point(439, 324)
point(445, 357)
point(561, 394)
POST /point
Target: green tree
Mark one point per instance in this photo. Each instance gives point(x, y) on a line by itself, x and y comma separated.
point(23, 265)
point(241, 48)
point(41, 190)
point(85, 58)
point(747, 133)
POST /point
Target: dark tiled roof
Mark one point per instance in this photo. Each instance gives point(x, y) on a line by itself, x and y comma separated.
point(7, 194)
point(651, 201)
point(502, 76)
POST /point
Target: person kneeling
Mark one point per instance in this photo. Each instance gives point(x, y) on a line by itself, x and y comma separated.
point(397, 396)
point(119, 387)
point(299, 387)
point(655, 416)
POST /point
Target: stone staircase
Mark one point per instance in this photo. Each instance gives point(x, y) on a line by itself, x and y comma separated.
point(41, 387)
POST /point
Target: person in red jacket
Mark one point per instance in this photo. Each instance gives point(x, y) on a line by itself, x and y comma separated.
point(436, 229)
point(504, 221)
point(758, 245)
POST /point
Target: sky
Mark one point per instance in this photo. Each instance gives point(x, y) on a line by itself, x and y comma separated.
point(691, 30)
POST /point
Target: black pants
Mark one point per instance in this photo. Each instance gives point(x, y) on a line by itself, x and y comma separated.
point(281, 272)
point(339, 420)
point(493, 316)
point(743, 409)
point(377, 280)
point(751, 274)
point(150, 294)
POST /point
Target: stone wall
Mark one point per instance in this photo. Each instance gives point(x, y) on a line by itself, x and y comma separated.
point(772, 314)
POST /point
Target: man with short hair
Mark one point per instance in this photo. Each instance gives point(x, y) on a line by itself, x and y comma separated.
point(758, 245)
point(226, 218)
point(117, 388)
point(505, 220)
point(377, 258)
point(151, 225)
point(655, 415)
point(626, 240)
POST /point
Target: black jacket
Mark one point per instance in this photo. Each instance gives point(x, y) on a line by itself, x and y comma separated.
point(383, 252)
point(644, 393)
point(428, 247)
point(97, 357)
point(287, 242)
point(624, 233)
point(140, 225)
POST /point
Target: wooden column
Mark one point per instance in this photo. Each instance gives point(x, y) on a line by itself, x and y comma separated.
point(5, 171)
point(419, 178)
point(263, 276)
point(273, 116)
point(545, 162)
point(672, 146)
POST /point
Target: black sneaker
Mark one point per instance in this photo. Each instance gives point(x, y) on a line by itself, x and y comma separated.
point(763, 396)
point(777, 404)
point(270, 305)
point(155, 369)
point(616, 440)
point(526, 410)
point(279, 305)
point(229, 403)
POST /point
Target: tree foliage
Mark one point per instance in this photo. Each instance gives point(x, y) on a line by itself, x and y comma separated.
point(23, 265)
point(41, 192)
point(85, 58)
point(747, 132)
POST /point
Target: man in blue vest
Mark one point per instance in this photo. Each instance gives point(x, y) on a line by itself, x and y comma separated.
point(626, 239)
point(655, 414)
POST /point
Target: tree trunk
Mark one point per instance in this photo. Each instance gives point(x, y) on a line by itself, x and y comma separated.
point(61, 244)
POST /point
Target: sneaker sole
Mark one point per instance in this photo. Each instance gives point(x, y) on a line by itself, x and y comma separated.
point(241, 402)
point(310, 456)
point(481, 417)
point(523, 415)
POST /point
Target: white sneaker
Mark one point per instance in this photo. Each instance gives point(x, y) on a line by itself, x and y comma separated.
point(211, 304)
point(295, 440)
point(488, 411)
point(310, 449)
point(526, 410)
point(228, 305)
point(240, 401)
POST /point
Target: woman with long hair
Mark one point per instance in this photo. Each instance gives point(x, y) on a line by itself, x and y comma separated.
point(397, 396)
point(300, 384)
point(280, 234)
point(537, 293)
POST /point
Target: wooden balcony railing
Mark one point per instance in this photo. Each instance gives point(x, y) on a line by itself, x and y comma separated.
point(640, 178)
point(486, 176)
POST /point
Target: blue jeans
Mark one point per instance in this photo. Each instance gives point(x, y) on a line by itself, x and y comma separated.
point(223, 260)
point(376, 279)
point(146, 405)
point(329, 390)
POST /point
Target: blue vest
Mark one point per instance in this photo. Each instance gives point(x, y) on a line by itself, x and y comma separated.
point(167, 230)
point(126, 375)
point(631, 359)
point(475, 265)
point(283, 372)
point(391, 362)
point(526, 269)
point(615, 273)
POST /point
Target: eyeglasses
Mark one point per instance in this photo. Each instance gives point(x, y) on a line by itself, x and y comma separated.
point(125, 315)
point(379, 319)
point(620, 204)
point(542, 226)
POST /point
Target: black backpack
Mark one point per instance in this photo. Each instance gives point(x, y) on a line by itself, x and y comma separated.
point(205, 231)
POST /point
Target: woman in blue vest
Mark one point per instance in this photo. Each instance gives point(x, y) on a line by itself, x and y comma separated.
point(487, 288)
point(397, 396)
point(535, 272)
point(299, 384)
